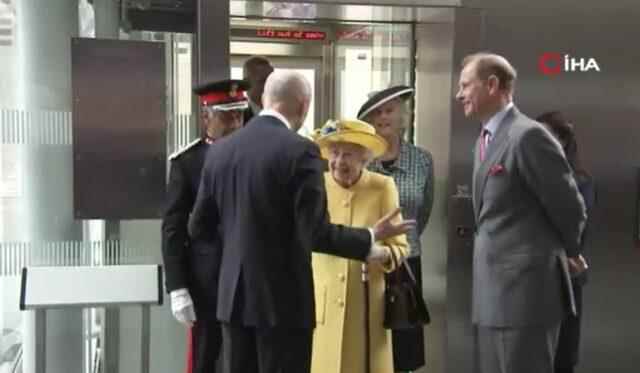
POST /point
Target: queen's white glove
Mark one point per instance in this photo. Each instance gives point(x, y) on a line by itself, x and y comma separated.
point(378, 254)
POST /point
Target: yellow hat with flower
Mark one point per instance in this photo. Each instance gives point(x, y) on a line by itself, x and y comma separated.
point(352, 131)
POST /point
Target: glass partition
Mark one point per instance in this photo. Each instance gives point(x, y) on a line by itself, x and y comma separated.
point(369, 58)
point(37, 226)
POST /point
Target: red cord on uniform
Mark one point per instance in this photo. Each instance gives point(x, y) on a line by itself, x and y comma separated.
point(189, 351)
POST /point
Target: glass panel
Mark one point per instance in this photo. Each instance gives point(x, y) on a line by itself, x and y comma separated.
point(358, 67)
point(182, 129)
point(36, 223)
point(370, 58)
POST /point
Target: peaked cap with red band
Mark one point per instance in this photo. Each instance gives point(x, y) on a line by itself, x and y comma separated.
point(223, 95)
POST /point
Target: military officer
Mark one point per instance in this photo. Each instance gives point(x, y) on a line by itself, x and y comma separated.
point(191, 267)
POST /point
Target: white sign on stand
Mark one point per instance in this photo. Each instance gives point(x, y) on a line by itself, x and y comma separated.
point(44, 288)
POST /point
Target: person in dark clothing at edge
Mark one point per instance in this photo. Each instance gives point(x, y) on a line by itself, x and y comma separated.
point(569, 339)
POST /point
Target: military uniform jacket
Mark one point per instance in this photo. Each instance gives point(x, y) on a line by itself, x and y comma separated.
point(188, 264)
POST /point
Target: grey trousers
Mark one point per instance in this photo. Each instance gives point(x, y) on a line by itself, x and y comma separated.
point(516, 350)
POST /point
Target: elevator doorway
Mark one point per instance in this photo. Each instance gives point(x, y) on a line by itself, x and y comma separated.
point(344, 62)
point(310, 67)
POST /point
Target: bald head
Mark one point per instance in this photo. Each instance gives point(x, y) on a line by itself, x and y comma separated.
point(289, 93)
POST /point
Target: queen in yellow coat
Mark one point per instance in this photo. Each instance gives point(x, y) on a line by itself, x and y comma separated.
point(359, 198)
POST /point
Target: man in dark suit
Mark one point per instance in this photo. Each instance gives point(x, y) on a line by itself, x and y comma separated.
point(262, 188)
point(529, 219)
point(255, 71)
point(191, 266)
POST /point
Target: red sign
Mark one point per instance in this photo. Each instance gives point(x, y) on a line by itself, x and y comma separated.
point(360, 34)
point(291, 34)
point(550, 63)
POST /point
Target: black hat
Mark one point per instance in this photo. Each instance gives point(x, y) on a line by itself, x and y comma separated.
point(382, 97)
point(223, 95)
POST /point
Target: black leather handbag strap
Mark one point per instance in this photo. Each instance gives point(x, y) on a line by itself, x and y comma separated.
point(397, 267)
point(396, 274)
point(409, 271)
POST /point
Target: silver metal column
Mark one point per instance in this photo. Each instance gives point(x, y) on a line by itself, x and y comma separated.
point(107, 18)
point(44, 42)
point(43, 39)
point(468, 38)
point(210, 59)
point(107, 21)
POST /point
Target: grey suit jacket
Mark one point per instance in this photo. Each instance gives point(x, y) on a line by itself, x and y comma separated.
point(529, 217)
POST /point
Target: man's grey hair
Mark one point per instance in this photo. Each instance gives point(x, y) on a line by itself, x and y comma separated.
point(286, 87)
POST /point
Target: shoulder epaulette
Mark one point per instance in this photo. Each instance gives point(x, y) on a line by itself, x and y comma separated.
point(178, 152)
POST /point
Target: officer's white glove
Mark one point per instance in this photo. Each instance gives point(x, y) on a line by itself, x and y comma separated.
point(378, 254)
point(182, 307)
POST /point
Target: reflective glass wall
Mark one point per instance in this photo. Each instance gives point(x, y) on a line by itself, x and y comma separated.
point(369, 58)
point(352, 61)
point(37, 226)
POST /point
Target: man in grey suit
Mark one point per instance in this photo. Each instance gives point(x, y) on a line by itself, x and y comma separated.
point(529, 217)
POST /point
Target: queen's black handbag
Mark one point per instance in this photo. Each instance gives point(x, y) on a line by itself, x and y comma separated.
point(404, 307)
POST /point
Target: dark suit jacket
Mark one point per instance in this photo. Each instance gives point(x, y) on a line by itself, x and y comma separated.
point(567, 352)
point(188, 264)
point(587, 188)
point(263, 186)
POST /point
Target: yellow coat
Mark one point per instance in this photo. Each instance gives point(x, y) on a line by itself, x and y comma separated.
point(338, 341)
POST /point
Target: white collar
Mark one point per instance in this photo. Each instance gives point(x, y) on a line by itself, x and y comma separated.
point(276, 114)
point(493, 123)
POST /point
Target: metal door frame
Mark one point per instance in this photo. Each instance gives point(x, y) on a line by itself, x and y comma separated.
point(320, 53)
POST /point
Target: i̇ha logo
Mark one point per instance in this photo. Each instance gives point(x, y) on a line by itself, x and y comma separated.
point(552, 63)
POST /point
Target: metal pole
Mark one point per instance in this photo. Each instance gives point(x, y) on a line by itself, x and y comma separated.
point(145, 339)
point(41, 340)
point(210, 52)
point(107, 18)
